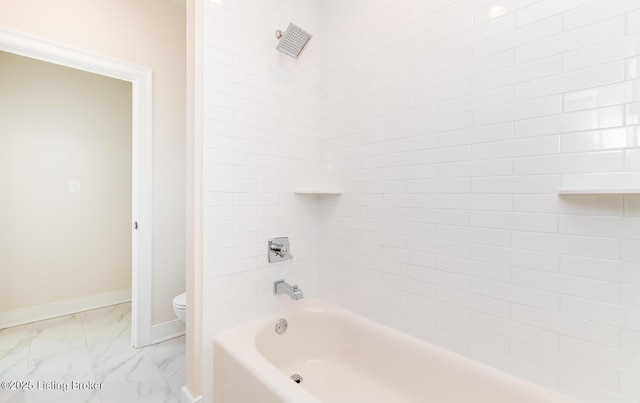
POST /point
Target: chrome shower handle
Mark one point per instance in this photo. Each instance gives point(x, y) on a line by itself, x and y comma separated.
point(278, 250)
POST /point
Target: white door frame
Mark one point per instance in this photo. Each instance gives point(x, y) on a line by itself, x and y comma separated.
point(140, 78)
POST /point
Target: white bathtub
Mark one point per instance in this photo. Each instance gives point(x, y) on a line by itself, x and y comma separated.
point(345, 358)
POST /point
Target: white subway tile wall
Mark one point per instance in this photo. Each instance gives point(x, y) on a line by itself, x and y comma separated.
point(450, 125)
point(261, 140)
point(503, 101)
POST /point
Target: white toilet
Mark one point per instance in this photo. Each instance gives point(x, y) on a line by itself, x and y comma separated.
point(180, 306)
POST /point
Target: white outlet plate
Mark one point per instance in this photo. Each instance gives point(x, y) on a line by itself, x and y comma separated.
point(74, 186)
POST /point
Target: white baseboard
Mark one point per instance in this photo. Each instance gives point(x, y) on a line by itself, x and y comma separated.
point(187, 398)
point(167, 330)
point(62, 308)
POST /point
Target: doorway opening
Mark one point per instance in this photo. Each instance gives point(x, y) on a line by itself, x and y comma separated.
point(139, 82)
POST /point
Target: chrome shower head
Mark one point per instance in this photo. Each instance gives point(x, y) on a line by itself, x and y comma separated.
point(293, 40)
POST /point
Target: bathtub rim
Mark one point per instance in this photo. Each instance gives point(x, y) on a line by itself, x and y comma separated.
point(286, 391)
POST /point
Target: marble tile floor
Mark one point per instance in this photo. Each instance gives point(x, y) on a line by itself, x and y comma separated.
point(87, 358)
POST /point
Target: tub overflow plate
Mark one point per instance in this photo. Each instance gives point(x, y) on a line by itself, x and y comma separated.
point(296, 378)
point(281, 325)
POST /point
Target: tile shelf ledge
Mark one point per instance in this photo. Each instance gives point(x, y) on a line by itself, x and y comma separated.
point(598, 191)
point(317, 190)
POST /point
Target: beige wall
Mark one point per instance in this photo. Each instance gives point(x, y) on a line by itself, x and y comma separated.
point(58, 124)
point(149, 33)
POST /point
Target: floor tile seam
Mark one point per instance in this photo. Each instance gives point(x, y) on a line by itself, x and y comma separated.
point(86, 343)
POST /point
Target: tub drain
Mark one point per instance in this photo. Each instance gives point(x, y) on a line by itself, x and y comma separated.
point(296, 378)
point(281, 325)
